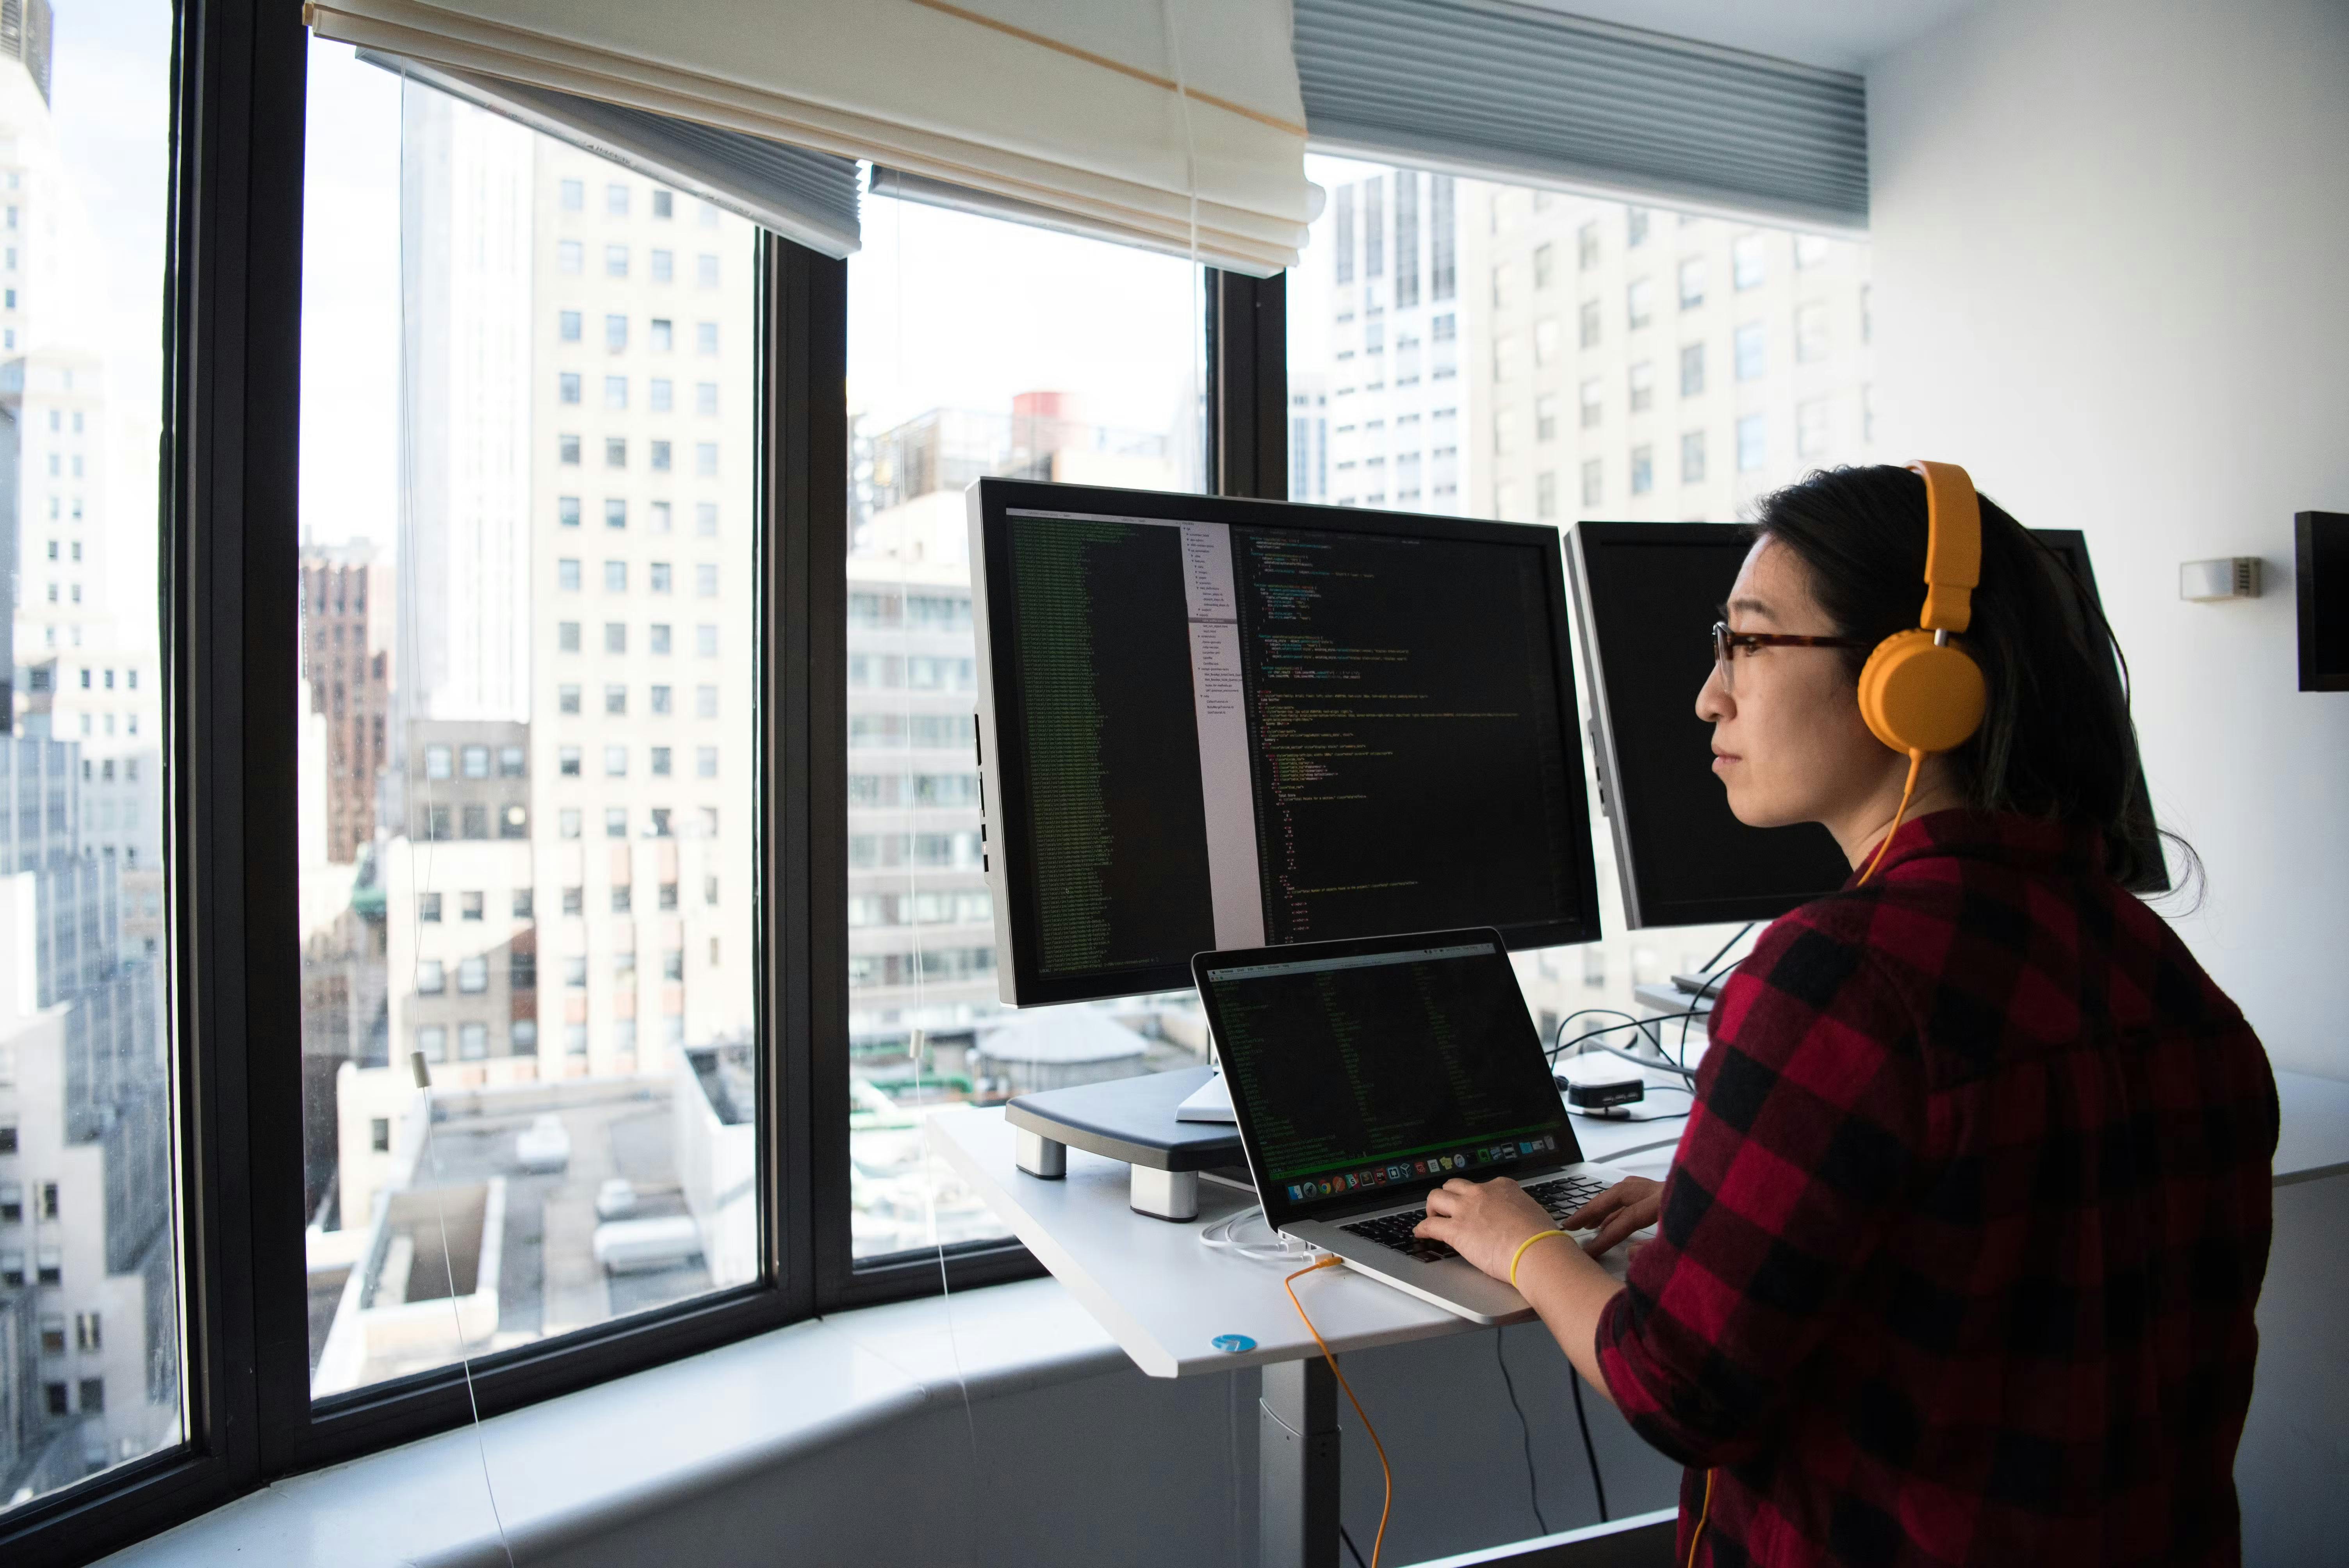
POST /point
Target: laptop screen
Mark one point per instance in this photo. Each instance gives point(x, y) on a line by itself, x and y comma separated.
point(1356, 1066)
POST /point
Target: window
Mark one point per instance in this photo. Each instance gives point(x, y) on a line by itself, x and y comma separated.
point(705, 460)
point(664, 266)
point(1586, 246)
point(704, 338)
point(615, 333)
point(573, 195)
point(615, 577)
point(379, 1134)
point(1546, 341)
point(1693, 457)
point(468, 905)
point(566, 387)
point(431, 977)
point(1593, 403)
point(1590, 481)
point(473, 975)
point(1644, 387)
point(1810, 334)
point(428, 907)
point(660, 458)
point(616, 261)
point(615, 701)
point(1749, 349)
point(705, 580)
point(569, 257)
point(705, 640)
point(1752, 445)
point(615, 513)
point(1746, 266)
point(660, 762)
point(1544, 265)
point(1546, 496)
point(567, 450)
point(705, 762)
point(567, 697)
point(661, 394)
point(566, 574)
point(615, 637)
point(1692, 278)
point(659, 635)
point(660, 699)
point(566, 511)
point(1692, 370)
point(1811, 429)
point(1640, 302)
point(1643, 469)
point(615, 821)
point(705, 398)
point(659, 334)
point(1546, 416)
point(705, 702)
point(1810, 251)
point(616, 762)
point(615, 451)
point(1588, 324)
point(615, 201)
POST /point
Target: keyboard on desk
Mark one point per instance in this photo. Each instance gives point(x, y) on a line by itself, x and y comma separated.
point(1560, 1196)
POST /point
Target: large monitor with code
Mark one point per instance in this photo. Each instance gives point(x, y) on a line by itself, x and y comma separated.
point(1647, 595)
point(1208, 723)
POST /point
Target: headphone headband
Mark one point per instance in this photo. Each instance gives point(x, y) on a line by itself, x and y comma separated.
point(1952, 547)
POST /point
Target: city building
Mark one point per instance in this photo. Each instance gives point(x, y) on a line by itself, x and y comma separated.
point(1397, 407)
point(346, 661)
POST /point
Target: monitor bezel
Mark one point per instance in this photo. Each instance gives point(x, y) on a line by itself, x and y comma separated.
point(1643, 910)
point(1004, 846)
point(1280, 1209)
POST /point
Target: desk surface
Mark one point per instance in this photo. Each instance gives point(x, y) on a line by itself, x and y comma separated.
point(1162, 1294)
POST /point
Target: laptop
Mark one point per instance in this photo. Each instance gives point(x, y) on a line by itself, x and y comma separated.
point(1365, 1074)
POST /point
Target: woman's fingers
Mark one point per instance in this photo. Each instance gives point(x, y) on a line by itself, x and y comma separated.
point(1598, 1208)
point(1622, 1223)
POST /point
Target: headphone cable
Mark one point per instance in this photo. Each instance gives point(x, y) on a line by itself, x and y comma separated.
point(1916, 766)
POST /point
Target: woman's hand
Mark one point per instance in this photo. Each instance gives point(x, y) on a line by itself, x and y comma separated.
point(1484, 1222)
point(1631, 1205)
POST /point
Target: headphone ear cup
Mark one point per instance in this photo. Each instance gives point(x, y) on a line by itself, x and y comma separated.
point(1918, 696)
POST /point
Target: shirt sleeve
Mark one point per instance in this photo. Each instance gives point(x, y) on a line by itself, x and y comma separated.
point(1799, 1154)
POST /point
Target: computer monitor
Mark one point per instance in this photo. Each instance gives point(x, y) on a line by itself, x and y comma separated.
point(1646, 596)
point(1208, 723)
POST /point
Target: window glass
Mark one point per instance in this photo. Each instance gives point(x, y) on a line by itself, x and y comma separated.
point(975, 346)
point(88, 1227)
point(1624, 424)
point(568, 1108)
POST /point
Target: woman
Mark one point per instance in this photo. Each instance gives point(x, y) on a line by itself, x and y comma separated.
point(1957, 1259)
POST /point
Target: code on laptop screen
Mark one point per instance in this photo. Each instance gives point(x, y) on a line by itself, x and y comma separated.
point(1379, 1061)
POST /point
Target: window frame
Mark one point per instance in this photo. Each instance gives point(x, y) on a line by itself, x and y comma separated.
point(228, 539)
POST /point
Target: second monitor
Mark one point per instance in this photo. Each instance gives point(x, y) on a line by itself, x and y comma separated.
point(1211, 723)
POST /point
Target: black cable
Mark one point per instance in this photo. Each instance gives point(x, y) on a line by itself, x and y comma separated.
point(1725, 947)
point(1589, 1449)
point(1710, 977)
point(1663, 1062)
point(1524, 1430)
point(1350, 1547)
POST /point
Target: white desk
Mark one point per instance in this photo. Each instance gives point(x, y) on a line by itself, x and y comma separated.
point(1165, 1299)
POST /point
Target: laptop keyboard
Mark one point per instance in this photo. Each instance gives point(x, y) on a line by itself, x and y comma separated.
point(1560, 1196)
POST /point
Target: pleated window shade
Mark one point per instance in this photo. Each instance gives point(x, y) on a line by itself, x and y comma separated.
point(810, 197)
point(1171, 123)
point(1503, 90)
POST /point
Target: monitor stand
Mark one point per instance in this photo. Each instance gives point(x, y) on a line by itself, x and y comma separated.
point(1133, 1120)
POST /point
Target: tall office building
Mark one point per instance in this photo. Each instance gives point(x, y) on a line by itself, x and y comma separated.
point(1638, 363)
point(1397, 404)
point(921, 935)
point(576, 608)
point(1309, 435)
point(463, 636)
point(347, 614)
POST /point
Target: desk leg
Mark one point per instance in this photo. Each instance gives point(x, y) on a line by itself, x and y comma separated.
point(1297, 1466)
point(1040, 1156)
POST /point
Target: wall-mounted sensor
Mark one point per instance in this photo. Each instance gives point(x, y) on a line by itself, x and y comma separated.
point(2229, 577)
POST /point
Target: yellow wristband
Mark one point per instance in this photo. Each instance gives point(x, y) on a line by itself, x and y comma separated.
point(1529, 1240)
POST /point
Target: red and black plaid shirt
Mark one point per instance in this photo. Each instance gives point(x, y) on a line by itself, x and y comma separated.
point(1957, 1260)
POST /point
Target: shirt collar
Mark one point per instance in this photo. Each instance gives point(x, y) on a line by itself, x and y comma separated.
point(2025, 843)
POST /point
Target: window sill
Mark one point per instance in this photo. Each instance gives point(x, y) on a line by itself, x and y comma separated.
point(571, 1467)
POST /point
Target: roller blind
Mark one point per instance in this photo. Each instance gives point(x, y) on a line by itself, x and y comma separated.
point(1152, 120)
point(810, 197)
point(1496, 89)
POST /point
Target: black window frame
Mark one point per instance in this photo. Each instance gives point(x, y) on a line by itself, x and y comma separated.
point(229, 544)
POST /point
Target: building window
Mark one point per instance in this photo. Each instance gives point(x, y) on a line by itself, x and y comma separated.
point(1810, 334)
point(616, 394)
point(1546, 416)
point(1640, 302)
point(1593, 403)
point(1692, 370)
point(428, 907)
point(468, 905)
point(1590, 486)
point(1810, 250)
point(1749, 352)
point(615, 700)
point(615, 637)
point(616, 261)
point(1746, 267)
point(1635, 227)
point(705, 761)
point(566, 574)
point(659, 334)
point(1545, 266)
point(569, 257)
point(566, 762)
point(615, 333)
point(1692, 281)
point(566, 697)
point(705, 460)
point(664, 266)
point(431, 977)
point(705, 580)
point(1588, 324)
point(1644, 387)
point(615, 577)
point(472, 1041)
point(616, 762)
point(1643, 469)
point(566, 511)
point(659, 634)
point(616, 512)
point(1586, 246)
point(573, 195)
point(473, 975)
point(1546, 496)
point(379, 1134)
point(432, 1042)
point(566, 387)
point(567, 450)
point(1811, 429)
point(1752, 445)
point(704, 338)
point(615, 451)
point(660, 762)
point(1693, 457)
point(615, 201)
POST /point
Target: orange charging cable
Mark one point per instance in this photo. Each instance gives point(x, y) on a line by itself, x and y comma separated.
point(1916, 765)
point(1385, 1473)
point(1702, 1514)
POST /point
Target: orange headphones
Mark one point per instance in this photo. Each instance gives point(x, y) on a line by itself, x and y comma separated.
point(1919, 693)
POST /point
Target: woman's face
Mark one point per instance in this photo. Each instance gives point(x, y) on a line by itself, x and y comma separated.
point(1788, 743)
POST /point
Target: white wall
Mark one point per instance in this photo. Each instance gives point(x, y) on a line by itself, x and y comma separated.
point(2110, 240)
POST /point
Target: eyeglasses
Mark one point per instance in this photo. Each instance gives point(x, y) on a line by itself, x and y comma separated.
point(1726, 642)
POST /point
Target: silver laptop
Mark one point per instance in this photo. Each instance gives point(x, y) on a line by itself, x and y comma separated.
point(1363, 1074)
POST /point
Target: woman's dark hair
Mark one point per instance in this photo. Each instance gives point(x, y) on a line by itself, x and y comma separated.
point(2057, 741)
